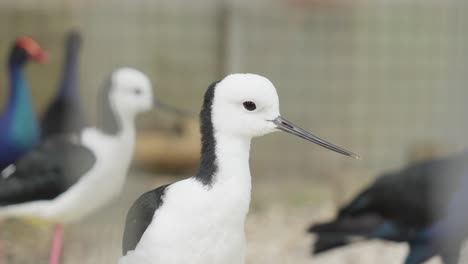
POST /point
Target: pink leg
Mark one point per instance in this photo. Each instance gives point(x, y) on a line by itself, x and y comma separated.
point(56, 249)
point(1, 251)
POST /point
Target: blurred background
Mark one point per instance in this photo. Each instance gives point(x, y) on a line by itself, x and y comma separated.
point(385, 79)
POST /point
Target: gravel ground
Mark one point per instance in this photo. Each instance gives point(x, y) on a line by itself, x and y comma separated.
point(275, 230)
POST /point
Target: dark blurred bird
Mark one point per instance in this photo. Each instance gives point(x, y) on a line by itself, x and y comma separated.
point(64, 114)
point(447, 235)
point(19, 131)
point(399, 206)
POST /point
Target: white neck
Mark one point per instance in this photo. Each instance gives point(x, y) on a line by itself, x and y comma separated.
point(128, 126)
point(126, 120)
point(120, 144)
point(232, 158)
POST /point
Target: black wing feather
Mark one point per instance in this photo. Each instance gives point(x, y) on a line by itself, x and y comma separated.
point(415, 195)
point(46, 172)
point(411, 198)
point(139, 217)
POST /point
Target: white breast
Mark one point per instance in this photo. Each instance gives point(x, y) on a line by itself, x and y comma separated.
point(94, 189)
point(101, 184)
point(195, 225)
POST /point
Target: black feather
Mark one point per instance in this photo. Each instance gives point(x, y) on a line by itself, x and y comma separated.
point(422, 252)
point(46, 172)
point(406, 201)
point(339, 232)
point(208, 165)
point(325, 243)
point(348, 226)
point(139, 217)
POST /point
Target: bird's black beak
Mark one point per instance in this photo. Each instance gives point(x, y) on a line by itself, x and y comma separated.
point(171, 109)
point(286, 126)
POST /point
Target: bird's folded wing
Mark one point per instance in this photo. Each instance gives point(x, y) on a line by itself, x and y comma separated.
point(45, 172)
point(139, 217)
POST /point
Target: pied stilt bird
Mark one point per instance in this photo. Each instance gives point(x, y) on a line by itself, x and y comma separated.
point(19, 130)
point(413, 205)
point(201, 219)
point(64, 114)
point(67, 178)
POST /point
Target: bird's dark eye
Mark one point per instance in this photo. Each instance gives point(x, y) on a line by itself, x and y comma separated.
point(137, 91)
point(249, 105)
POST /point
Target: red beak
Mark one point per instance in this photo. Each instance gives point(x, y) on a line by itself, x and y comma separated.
point(41, 56)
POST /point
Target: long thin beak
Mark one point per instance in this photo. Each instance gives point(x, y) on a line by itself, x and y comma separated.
point(172, 109)
point(286, 126)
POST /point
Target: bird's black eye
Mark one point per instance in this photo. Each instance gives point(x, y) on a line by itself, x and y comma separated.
point(137, 91)
point(249, 105)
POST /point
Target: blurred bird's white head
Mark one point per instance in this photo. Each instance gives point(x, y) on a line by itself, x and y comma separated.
point(130, 91)
point(244, 105)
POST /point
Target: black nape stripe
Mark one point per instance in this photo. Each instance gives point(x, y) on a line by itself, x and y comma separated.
point(208, 164)
point(107, 121)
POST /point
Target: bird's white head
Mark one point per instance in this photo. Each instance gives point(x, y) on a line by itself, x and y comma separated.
point(244, 105)
point(127, 93)
point(130, 91)
point(247, 105)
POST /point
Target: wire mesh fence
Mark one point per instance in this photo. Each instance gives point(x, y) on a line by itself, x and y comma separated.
point(375, 77)
point(385, 79)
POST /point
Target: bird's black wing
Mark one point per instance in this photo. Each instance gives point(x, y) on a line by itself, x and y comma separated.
point(402, 202)
point(139, 217)
point(445, 237)
point(349, 226)
point(45, 172)
point(415, 195)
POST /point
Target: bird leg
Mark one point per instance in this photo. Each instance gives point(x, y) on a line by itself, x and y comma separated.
point(1, 251)
point(57, 243)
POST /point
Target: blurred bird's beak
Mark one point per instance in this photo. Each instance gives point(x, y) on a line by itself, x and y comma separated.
point(40, 56)
point(286, 126)
point(171, 109)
